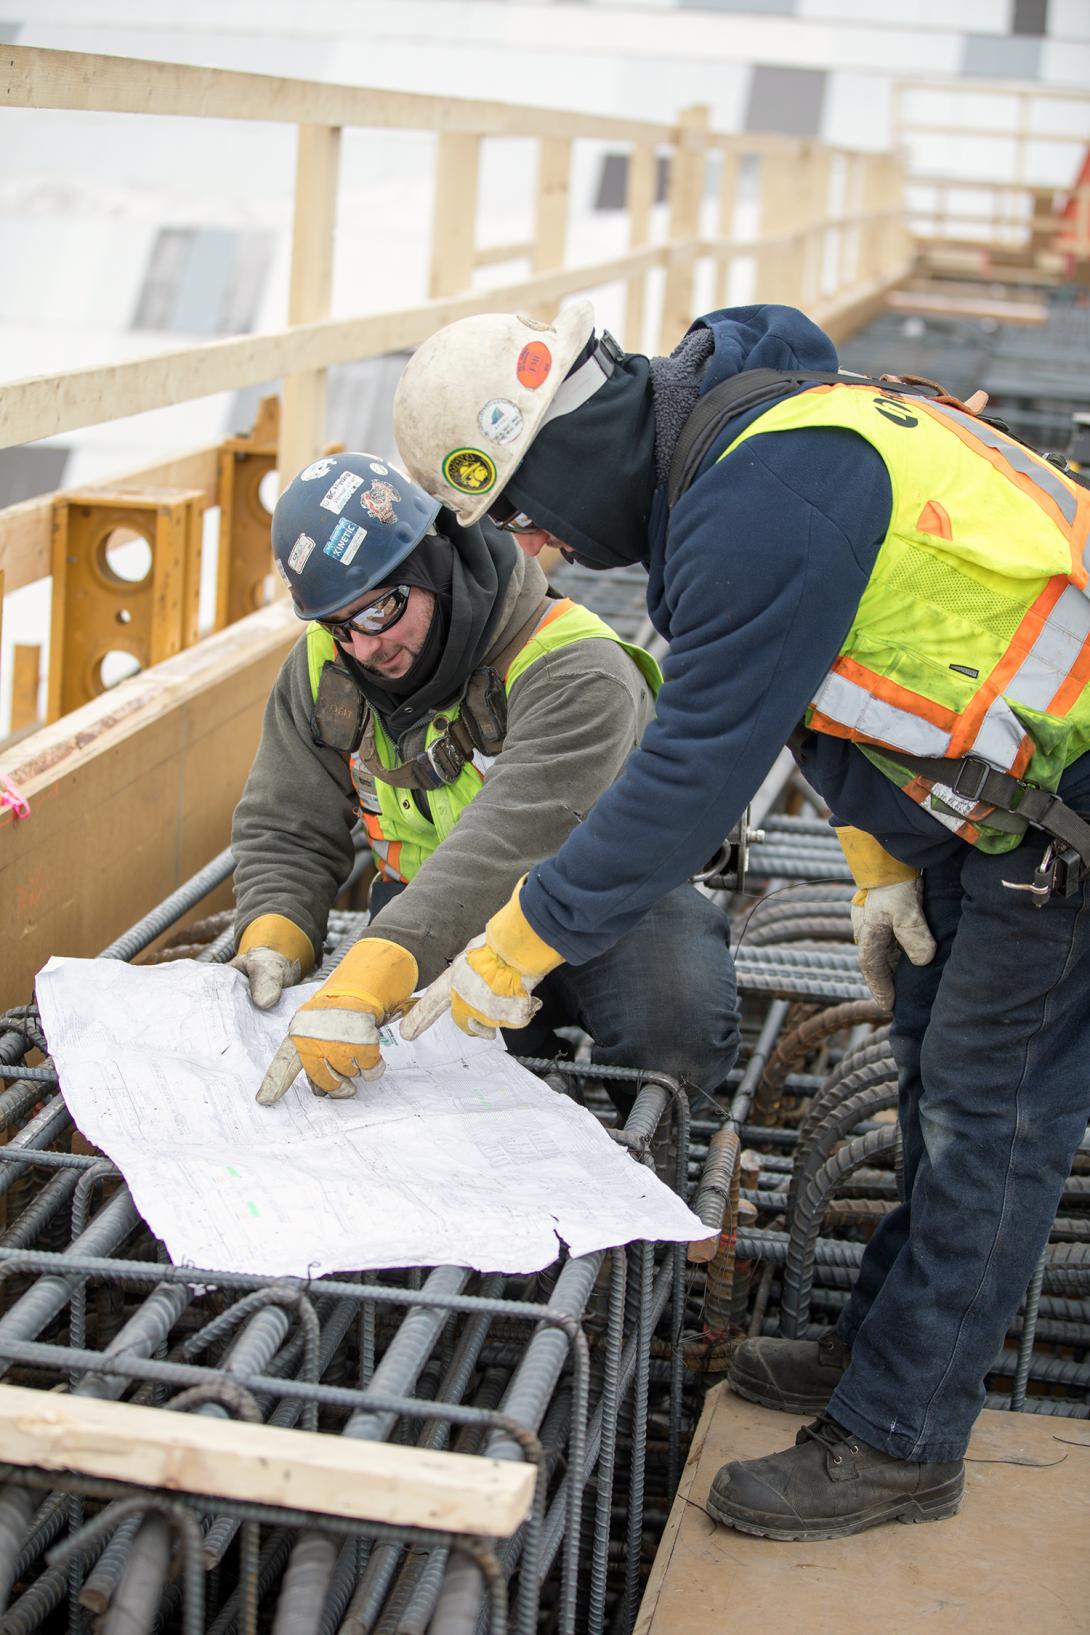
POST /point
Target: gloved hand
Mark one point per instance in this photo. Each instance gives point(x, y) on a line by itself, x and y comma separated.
point(490, 984)
point(273, 954)
point(886, 913)
point(333, 1037)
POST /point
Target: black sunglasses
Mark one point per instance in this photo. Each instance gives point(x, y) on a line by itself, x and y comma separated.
point(504, 515)
point(372, 618)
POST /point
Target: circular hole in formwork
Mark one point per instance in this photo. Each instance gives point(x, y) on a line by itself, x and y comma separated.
point(125, 557)
point(123, 616)
point(115, 666)
point(268, 490)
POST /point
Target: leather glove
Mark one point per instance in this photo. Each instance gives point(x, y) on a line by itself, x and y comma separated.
point(490, 984)
point(886, 913)
point(333, 1037)
point(273, 954)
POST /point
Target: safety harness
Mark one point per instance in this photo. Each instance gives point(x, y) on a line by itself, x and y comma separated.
point(1018, 804)
point(480, 725)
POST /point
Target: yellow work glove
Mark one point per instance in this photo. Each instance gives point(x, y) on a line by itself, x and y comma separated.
point(333, 1037)
point(273, 954)
point(886, 912)
point(490, 984)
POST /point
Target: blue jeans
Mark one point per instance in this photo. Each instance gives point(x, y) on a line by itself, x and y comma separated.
point(992, 1043)
point(663, 997)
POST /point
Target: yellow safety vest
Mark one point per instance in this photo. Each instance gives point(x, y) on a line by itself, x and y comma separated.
point(972, 637)
point(401, 837)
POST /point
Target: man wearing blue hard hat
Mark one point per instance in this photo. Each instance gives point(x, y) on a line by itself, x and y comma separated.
point(470, 718)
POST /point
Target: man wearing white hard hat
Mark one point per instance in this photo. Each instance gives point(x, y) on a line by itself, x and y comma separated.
point(897, 587)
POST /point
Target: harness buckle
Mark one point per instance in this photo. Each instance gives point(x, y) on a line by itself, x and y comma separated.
point(445, 759)
point(972, 775)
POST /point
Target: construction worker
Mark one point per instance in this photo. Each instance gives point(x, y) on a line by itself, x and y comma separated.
point(473, 720)
point(897, 589)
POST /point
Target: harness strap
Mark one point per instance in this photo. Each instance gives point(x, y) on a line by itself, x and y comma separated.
point(750, 390)
point(1018, 805)
point(441, 763)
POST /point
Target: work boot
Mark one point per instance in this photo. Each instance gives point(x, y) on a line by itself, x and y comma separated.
point(831, 1484)
point(796, 1376)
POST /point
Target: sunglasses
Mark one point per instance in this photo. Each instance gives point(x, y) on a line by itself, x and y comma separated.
point(505, 516)
point(372, 618)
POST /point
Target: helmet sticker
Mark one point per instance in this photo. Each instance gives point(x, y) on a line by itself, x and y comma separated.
point(337, 497)
point(344, 541)
point(300, 552)
point(319, 468)
point(379, 471)
point(380, 500)
point(469, 470)
point(282, 571)
point(534, 362)
point(500, 420)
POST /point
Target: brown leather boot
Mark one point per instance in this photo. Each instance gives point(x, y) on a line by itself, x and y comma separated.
point(796, 1376)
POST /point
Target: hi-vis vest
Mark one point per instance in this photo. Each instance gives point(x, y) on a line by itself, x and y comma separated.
point(972, 637)
point(401, 836)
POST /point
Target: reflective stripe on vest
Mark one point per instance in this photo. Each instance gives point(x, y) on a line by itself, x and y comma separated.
point(973, 634)
point(401, 837)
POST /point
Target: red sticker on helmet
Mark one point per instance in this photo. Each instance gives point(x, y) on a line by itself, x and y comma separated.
point(535, 361)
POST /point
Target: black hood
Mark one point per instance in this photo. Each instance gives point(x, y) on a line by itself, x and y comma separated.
point(589, 476)
point(467, 570)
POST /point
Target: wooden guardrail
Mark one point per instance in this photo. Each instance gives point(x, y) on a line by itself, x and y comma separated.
point(1024, 221)
point(827, 234)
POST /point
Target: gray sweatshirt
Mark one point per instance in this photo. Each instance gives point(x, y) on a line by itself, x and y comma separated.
point(573, 717)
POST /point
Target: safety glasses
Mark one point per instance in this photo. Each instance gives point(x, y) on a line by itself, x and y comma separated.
point(505, 516)
point(372, 618)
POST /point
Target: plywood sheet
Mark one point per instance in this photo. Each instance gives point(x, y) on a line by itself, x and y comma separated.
point(1015, 1557)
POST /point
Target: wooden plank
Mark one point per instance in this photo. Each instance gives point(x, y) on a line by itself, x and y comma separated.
point(31, 77)
point(26, 530)
point(1032, 314)
point(314, 223)
point(551, 204)
point(1013, 1558)
point(131, 794)
point(46, 405)
point(686, 196)
point(25, 671)
point(639, 200)
point(264, 1464)
point(454, 214)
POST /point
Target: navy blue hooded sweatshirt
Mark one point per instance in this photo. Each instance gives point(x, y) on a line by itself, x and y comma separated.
point(754, 580)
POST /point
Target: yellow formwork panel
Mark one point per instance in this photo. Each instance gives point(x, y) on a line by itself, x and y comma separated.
point(99, 610)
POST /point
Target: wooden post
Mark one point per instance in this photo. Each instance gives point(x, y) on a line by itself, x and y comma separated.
point(639, 201)
point(686, 194)
point(302, 423)
point(783, 206)
point(454, 214)
point(728, 190)
point(26, 668)
point(551, 207)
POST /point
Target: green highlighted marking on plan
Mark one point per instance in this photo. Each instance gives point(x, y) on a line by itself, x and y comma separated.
point(252, 1207)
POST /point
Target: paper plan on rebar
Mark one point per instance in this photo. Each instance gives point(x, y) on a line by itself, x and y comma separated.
point(456, 1155)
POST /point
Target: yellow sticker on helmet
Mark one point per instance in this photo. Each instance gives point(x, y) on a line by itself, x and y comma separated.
point(469, 470)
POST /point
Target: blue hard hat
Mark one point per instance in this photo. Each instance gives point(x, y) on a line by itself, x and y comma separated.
point(342, 526)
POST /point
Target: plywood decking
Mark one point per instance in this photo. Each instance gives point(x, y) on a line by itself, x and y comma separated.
point(1014, 1558)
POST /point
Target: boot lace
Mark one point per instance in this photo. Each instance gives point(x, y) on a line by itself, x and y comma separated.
point(832, 1437)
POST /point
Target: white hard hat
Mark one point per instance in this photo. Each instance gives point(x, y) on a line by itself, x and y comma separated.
point(475, 395)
